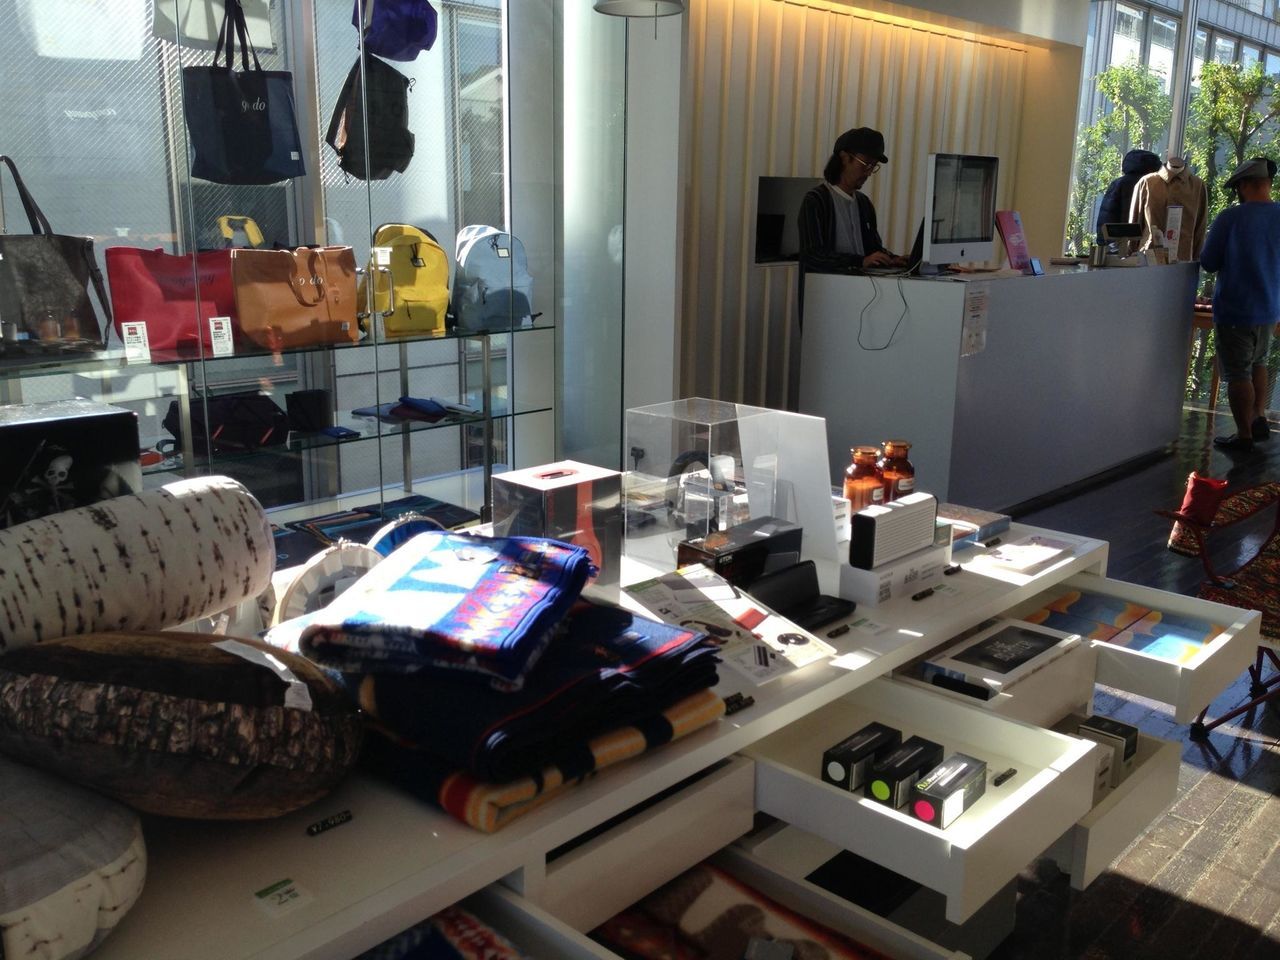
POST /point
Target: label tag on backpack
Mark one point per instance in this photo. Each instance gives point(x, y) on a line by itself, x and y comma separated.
point(503, 251)
point(220, 336)
point(382, 256)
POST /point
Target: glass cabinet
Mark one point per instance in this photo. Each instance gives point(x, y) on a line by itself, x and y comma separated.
point(436, 363)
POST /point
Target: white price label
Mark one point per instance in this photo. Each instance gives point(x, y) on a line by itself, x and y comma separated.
point(137, 349)
point(221, 336)
point(382, 256)
point(280, 898)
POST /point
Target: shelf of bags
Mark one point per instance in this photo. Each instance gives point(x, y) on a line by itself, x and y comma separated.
point(70, 360)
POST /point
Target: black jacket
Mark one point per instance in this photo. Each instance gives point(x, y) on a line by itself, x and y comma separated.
point(817, 225)
point(1115, 202)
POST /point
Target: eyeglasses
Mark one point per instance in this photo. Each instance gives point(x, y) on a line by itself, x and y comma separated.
point(871, 167)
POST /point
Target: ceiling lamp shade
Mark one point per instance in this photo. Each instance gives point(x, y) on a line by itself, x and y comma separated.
point(639, 8)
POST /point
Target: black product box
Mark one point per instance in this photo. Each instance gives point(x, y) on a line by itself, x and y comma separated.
point(574, 502)
point(948, 790)
point(1120, 737)
point(845, 764)
point(65, 454)
point(744, 552)
point(890, 778)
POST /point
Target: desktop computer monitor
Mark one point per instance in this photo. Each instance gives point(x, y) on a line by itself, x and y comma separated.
point(960, 205)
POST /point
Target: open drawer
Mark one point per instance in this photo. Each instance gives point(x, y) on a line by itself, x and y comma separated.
point(644, 848)
point(1189, 684)
point(986, 846)
point(897, 917)
point(535, 931)
point(1093, 844)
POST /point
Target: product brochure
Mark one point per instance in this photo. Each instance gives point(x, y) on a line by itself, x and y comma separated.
point(753, 640)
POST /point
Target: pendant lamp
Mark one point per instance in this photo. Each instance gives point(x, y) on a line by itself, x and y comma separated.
point(639, 8)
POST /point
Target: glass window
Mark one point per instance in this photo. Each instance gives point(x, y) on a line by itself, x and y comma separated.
point(1164, 45)
point(1272, 64)
point(1249, 55)
point(1200, 50)
point(1126, 41)
point(1224, 50)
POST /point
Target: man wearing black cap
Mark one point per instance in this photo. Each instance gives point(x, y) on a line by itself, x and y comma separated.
point(838, 223)
point(1243, 249)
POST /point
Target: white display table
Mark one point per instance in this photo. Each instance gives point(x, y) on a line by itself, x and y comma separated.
point(1077, 372)
point(397, 861)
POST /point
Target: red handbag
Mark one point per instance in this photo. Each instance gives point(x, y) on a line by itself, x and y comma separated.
point(160, 290)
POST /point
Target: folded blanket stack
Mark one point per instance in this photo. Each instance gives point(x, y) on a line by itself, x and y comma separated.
point(494, 685)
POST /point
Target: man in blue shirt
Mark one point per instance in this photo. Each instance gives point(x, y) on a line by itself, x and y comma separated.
point(1243, 249)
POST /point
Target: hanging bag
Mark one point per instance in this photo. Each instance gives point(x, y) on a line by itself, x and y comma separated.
point(396, 29)
point(377, 101)
point(173, 296)
point(44, 284)
point(296, 298)
point(242, 126)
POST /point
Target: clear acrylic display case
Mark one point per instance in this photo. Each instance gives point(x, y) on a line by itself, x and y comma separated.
point(698, 465)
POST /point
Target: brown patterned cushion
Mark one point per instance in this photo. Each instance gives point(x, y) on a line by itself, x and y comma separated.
point(179, 724)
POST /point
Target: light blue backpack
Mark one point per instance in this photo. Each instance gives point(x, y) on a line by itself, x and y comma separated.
point(492, 289)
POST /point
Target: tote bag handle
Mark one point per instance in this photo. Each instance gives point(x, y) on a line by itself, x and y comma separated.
point(298, 282)
point(233, 25)
point(35, 217)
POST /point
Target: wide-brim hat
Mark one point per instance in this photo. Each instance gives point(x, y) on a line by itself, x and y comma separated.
point(862, 140)
point(1255, 168)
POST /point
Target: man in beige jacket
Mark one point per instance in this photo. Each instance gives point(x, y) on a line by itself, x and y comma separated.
point(1173, 184)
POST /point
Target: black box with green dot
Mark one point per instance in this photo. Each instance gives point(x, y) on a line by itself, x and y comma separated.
point(889, 779)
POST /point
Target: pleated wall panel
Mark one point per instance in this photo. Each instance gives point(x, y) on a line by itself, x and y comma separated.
point(774, 82)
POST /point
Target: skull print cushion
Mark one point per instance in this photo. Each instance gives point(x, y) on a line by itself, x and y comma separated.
point(142, 562)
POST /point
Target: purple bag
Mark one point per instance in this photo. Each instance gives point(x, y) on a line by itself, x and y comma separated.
point(396, 29)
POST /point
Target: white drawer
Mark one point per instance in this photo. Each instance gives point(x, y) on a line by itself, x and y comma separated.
point(1188, 687)
point(969, 861)
point(536, 932)
point(1092, 845)
point(1063, 686)
point(592, 882)
point(777, 860)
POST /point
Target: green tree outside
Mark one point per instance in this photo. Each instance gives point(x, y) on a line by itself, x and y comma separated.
point(1234, 114)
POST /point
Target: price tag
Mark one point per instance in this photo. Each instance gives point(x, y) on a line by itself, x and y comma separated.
point(973, 335)
point(220, 333)
point(137, 349)
point(382, 256)
point(280, 898)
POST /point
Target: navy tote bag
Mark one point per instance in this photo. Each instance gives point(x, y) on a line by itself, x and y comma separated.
point(242, 125)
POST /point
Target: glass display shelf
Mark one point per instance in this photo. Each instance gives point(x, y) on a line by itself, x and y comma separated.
point(114, 357)
point(365, 427)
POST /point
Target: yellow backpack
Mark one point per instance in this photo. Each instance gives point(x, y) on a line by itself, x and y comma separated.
point(410, 281)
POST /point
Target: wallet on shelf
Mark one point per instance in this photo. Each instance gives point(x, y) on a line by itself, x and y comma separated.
point(793, 593)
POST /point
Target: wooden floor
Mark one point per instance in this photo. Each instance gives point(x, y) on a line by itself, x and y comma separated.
point(1204, 881)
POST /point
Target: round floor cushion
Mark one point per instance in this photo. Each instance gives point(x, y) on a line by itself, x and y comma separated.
point(179, 724)
point(72, 863)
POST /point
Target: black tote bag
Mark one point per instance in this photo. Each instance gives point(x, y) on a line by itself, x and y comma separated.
point(44, 285)
point(242, 126)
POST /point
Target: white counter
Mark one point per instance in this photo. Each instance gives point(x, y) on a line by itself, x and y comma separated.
point(1082, 370)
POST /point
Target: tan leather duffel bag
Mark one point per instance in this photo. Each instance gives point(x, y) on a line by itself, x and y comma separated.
point(296, 298)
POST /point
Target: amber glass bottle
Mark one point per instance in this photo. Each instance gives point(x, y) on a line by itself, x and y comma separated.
point(863, 485)
point(896, 471)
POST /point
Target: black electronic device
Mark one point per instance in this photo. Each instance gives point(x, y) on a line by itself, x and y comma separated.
point(948, 790)
point(1121, 231)
point(889, 779)
point(845, 765)
point(793, 593)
